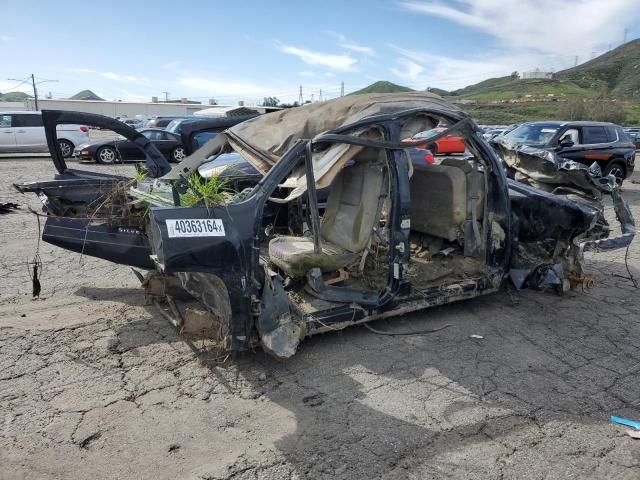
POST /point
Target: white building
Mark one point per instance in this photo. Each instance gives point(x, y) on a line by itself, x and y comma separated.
point(115, 109)
point(12, 106)
point(131, 109)
point(537, 74)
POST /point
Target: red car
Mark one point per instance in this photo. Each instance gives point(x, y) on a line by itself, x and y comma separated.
point(447, 144)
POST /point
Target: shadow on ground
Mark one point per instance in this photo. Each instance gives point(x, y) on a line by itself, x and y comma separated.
point(541, 383)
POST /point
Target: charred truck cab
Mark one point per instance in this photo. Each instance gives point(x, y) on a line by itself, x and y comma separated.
point(392, 237)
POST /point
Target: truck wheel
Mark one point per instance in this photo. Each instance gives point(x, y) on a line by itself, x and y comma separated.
point(66, 148)
point(617, 170)
point(106, 155)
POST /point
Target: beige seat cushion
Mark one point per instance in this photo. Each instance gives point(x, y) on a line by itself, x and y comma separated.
point(347, 224)
point(295, 255)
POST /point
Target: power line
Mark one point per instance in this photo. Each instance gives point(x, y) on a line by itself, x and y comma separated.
point(32, 80)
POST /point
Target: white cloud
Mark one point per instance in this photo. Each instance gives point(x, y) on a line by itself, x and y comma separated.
point(341, 62)
point(528, 34)
point(423, 69)
point(329, 74)
point(450, 13)
point(574, 27)
point(222, 87)
point(348, 44)
point(411, 70)
point(308, 74)
point(5, 38)
point(171, 65)
point(113, 76)
point(358, 48)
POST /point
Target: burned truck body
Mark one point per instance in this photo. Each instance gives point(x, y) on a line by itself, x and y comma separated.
point(392, 237)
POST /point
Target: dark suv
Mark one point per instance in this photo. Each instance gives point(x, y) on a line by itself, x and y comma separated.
point(585, 142)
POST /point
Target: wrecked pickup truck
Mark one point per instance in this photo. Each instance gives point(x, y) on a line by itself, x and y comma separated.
point(265, 265)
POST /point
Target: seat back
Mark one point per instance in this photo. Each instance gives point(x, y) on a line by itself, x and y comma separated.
point(475, 179)
point(438, 200)
point(352, 206)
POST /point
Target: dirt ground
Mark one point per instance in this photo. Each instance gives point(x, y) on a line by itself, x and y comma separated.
point(94, 384)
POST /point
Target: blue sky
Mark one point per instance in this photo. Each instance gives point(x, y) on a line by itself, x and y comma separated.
point(251, 49)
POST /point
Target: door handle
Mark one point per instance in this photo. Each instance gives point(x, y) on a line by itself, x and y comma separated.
point(8, 132)
point(20, 131)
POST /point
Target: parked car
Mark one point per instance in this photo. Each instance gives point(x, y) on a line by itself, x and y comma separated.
point(584, 142)
point(198, 131)
point(175, 125)
point(133, 122)
point(394, 238)
point(122, 150)
point(635, 138)
point(494, 132)
point(445, 145)
point(163, 121)
point(23, 132)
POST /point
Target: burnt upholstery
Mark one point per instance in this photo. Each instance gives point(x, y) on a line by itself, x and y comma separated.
point(347, 224)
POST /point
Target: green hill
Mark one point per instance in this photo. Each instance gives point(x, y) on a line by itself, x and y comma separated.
point(508, 88)
point(616, 72)
point(439, 91)
point(86, 95)
point(14, 97)
point(618, 69)
point(382, 87)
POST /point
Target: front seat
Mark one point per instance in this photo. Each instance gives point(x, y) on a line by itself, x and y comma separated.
point(347, 224)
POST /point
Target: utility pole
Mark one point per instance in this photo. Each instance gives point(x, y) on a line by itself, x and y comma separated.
point(575, 64)
point(35, 90)
point(342, 89)
point(32, 80)
point(320, 97)
point(166, 96)
point(300, 99)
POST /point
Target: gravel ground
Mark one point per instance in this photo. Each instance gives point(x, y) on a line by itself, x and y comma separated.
point(94, 384)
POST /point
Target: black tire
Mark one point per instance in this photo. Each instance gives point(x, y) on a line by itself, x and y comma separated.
point(178, 154)
point(66, 148)
point(434, 148)
point(106, 155)
point(618, 169)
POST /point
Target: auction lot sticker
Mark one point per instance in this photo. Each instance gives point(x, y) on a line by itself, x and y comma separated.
point(195, 227)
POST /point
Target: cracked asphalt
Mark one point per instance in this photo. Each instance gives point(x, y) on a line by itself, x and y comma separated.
point(95, 384)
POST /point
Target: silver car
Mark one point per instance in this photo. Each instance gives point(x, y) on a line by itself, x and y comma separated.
point(23, 132)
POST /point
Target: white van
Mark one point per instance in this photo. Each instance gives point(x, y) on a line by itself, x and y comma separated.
point(23, 132)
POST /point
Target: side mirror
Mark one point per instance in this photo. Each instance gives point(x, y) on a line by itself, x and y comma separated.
point(565, 142)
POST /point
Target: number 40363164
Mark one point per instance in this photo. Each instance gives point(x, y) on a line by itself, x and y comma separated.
point(195, 227)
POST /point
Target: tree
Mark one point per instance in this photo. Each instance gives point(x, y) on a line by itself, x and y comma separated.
point(573, 109)
point(515, 75)
point(607, 110)
point(601, 108)
point(270, 102)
